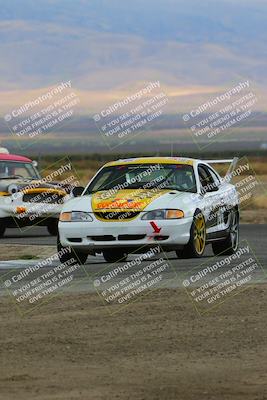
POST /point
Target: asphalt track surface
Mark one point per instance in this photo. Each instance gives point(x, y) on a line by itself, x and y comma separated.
point(28, 236)
point(253, 235)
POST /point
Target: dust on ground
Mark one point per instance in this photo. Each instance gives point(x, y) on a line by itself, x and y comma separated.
point(157, 348)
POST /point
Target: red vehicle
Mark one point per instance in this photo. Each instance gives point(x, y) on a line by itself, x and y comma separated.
point(26, 199)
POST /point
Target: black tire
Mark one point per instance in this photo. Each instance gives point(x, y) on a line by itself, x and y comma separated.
point(67, 253)
point(2, 230)
point(196, 246)
point(114, 255)
point(52, 227)
point(229, 245)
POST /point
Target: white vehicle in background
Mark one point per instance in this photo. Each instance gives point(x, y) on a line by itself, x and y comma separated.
point(25, 199)
point(134, 204)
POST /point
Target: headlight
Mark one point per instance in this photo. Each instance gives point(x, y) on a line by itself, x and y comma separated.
point(163, 214)
point(75, 216)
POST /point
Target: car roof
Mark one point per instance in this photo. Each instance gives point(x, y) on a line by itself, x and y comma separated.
point(154, 160)
point(14, 157)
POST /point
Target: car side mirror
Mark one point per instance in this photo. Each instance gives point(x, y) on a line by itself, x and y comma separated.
point(212, 189)
point(209, 190)
point(77, 191)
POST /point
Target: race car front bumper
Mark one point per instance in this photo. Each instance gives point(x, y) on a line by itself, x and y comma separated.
point(98, 235)
point(24, 214)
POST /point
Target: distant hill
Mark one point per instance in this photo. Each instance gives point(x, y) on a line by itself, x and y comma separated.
point(111, 48)
point(101, 44)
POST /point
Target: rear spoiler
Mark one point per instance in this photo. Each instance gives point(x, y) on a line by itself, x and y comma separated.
point(220, 161)
point(231, 168)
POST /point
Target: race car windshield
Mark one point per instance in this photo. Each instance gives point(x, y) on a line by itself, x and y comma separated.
point(179, 177)
point(13, 169)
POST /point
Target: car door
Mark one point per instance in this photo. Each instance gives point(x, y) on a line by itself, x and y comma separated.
point(213, 193)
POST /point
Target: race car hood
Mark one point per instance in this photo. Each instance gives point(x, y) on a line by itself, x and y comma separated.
point(142, 202)
point(138, 200)
point(130, 200)
point(8, 186)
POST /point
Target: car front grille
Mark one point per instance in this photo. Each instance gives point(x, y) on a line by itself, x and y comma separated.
point(103, 238)
point(116, 216)
point(111, 238)
point(131, 237)
point(43, 197)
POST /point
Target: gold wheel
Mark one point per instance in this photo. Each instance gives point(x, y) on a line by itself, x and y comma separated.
point(199, 234)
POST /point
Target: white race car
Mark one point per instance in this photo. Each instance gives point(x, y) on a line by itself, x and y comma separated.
point(26, 199)
point(132, 205)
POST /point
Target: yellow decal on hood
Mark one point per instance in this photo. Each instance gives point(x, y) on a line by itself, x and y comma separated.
point(125, 199)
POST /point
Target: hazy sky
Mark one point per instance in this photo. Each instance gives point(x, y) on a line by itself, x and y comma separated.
point(109, 44)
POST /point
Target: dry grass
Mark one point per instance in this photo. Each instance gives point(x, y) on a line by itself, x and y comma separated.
point(259, 203)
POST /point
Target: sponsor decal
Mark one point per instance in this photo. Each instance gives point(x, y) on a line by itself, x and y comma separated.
point(127, 199)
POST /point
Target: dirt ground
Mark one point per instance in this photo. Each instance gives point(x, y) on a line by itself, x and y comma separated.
point(24, 252)
point(158, 348)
